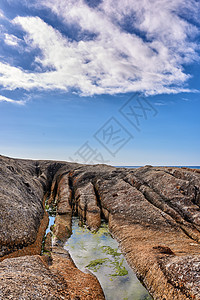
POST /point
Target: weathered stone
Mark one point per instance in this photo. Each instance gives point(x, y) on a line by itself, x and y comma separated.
point(62, 229)
point(21, 202)
point(79, 285)
point(184, 273)
point(87, 205)
point(152, 211)
point(64, 195)
point(28, 277)
point(48, 242)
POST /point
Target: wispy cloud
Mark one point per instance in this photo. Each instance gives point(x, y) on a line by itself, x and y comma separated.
point(160, 103)
point(5, 99)
point(185, 99)
point(1, 14)
point(11, 40)
point(130, 46)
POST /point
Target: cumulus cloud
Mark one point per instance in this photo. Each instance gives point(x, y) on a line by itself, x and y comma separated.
point(130, 46)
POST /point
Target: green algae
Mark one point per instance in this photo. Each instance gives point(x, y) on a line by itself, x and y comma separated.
point(110, 251)
point(120, 270)
point(96, 264)
point(116, 264)
point(50, 209)
point(98, 253)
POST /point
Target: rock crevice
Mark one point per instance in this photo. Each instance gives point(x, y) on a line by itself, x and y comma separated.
point(152, 211)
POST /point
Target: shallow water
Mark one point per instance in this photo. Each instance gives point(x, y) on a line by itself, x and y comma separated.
point(51, 222)
point(99, 253)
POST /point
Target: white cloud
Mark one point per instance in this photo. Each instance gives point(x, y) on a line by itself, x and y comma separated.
point(5, 99)
point(115, 61)
point(2, 14)
point(11, 40)
point(160, 103)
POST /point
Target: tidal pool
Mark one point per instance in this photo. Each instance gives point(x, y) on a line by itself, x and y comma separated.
point(99, 253)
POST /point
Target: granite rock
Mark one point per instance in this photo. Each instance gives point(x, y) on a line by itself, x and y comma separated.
point(154, 213)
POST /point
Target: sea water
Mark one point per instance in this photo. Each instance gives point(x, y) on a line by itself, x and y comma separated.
point(135, 167)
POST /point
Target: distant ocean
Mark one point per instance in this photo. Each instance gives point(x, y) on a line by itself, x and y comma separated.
point(131, 167)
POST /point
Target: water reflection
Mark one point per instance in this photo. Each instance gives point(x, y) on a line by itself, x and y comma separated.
point(99, 253)
point(51, 222)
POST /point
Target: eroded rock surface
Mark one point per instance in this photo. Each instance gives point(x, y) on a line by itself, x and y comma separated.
point(27, 277)
point(79, 285)
point(23, 184)
point(153, 212)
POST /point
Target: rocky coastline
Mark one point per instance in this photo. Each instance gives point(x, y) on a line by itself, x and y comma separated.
point(153, 212)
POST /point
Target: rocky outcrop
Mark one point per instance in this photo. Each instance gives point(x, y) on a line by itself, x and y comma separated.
point(153, 212)
point(62, 226)
point(24, 189)
point(18, 223)
point(87, 206)
point(79, 285)
point(28, 277)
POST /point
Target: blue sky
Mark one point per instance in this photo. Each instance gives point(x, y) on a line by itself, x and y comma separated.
point(100, 81)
